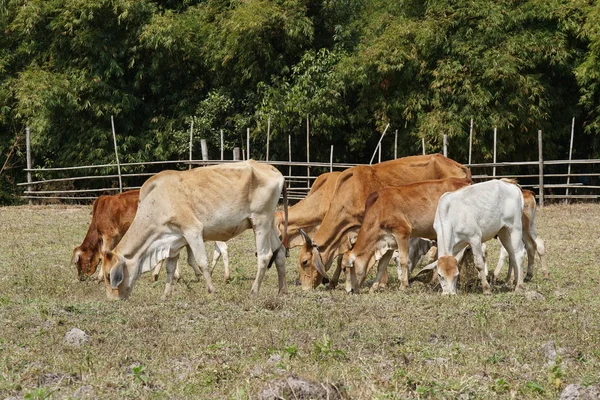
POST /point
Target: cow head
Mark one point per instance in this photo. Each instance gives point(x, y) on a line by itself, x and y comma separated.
point(447, 269)
point(310, 265)
point(116, 276)
point(86, 262)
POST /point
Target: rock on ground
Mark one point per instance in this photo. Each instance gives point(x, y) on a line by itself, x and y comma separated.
point(293, 387)
point(577, 392)
point(76, 337)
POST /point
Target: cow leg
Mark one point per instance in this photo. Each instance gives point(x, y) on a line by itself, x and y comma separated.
point(512, 240)
point(477, 249)
point(267, 243)
point(221, 251)
point(156, 271)
point(171, 264)
point(530, 247)
point(192, 262)
point(382, 271)
point(500, 264)
point(197, 248)
point(403, 268)
point(335, 278)
point(280, 264)
point(540, 248)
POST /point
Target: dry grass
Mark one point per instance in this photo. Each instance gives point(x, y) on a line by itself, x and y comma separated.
point(383, 346)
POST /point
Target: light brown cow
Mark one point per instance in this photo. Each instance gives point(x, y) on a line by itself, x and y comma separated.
point(533, 244)
point(306, 215)
point(185, 208)
point(111, 218)
point(392, 216)
point(352, 189)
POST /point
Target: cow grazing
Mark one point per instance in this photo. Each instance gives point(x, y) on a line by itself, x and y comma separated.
point(392, 216)
point(533, 244)
point(473, 215)
point(306, 216)
point(111, 218)
point(186, 208)
point(353, 186)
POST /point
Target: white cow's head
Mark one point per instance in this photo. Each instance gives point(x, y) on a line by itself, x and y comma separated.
point(447, 270)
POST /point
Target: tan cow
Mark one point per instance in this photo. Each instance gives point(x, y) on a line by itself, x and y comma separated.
point(185, 208)
point(353, 186)
point(533, 244)
point(392, 216)
point(306, 215)
point(111, 218)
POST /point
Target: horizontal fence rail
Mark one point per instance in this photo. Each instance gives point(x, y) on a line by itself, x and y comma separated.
point(582, 184)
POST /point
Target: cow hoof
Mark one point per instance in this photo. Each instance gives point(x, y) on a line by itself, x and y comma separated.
point(519, 288)
point(528, 278)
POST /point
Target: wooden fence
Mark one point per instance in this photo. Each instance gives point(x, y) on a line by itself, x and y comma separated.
point(553, 180)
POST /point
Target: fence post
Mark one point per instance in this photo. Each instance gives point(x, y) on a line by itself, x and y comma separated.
point(541, 168)
point(112, 122)
point(247, 143)
point(570, 155)
point(268, 135)
point(396, 145)
point(331, 159)
point(379, 143)
point(445, 145)
point(191, 141)
point(423, 144)
point(236, 154)
point(28, 148)
point(289, 157)
point(470, 140)
point(307, 152)
point(494, 168)
point(222, 145)
point(204, 149)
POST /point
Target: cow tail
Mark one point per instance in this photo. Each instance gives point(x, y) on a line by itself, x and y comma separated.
point(285, 220)
point(284, 243)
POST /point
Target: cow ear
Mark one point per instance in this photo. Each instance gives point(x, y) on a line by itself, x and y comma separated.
point(352, 236)
point(76, 255)
point(116, 274)
point(306, 238)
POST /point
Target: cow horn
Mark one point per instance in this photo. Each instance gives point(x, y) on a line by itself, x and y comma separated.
point(318, 263)
point(76, 255)
point(306, 238)
point(424, 270)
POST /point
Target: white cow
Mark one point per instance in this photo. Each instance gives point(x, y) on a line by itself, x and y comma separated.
point(186, 208)
point(473, 215)
point(221, 251)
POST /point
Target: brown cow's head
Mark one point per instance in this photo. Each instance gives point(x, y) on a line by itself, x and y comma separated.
point(310, 265)
point(448, 274)
point(86, 262)
point(116, 276)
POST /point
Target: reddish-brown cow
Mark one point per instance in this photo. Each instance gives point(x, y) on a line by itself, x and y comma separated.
point(353, 186)
point(306, 215)
point(392, 216)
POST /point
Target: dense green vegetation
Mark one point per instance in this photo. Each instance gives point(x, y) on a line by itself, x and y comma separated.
point(425, 67)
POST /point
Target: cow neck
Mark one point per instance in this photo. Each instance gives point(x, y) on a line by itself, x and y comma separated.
point(90, 242)
point(305, 215)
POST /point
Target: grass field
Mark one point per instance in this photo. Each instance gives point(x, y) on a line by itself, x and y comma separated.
point(388, 345)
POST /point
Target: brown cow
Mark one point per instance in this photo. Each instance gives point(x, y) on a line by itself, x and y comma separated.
point(352, 189)
point(111, 218)
point(392, 216)
point(306, 215)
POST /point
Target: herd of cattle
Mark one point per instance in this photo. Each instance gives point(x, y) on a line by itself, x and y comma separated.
point(361, 216)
